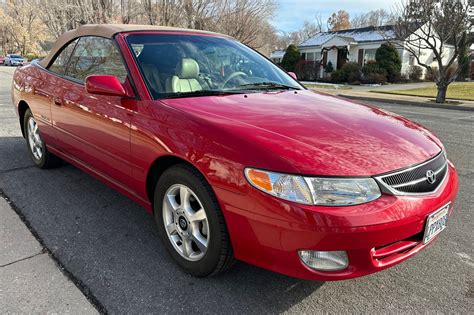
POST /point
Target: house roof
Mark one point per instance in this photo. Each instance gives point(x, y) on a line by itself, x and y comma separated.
point(365, 34)
point(108, 31)
point(277, 54)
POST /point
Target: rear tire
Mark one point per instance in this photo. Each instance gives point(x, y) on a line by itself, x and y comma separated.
point(36, 146)
point(210, 250)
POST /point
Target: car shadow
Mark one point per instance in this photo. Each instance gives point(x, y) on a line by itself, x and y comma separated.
point(111, 245)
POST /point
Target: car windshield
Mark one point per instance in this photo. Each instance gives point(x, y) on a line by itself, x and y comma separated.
point(198, 65)
point(15, 56)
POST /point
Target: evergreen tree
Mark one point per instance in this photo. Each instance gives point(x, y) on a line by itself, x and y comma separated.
point(387, 58)
point(463, 59)
point(291, 58)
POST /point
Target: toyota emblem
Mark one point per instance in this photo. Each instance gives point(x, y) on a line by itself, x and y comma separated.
point(431, 177)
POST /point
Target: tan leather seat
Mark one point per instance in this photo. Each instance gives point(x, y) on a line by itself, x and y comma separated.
point(186, 79)
point(152, 76)
point(147, 60)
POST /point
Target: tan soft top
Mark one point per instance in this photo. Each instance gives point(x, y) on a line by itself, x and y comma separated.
point(108, 31)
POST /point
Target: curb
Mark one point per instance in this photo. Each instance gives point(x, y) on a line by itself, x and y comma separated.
point(410, 103)
point(77, 282)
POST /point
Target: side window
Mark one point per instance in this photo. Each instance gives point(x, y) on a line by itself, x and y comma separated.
point(95, 55)
point(60, 63)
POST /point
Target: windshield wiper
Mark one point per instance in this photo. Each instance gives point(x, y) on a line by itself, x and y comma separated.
point(200, 93)
point(267, 86)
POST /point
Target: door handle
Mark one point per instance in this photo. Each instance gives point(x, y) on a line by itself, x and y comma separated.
point(57, 101)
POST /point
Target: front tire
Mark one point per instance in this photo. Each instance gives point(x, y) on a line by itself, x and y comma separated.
point(36, 146)
point(190, 222)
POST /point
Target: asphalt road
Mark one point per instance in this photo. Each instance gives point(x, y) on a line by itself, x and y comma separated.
point(111, 245)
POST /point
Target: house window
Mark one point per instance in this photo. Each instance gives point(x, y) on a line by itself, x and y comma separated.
point(369, 55)
point(303, 56)
point(411, 60)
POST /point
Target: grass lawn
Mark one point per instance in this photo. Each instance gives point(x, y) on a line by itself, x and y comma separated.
point(328, 86)
point(457, 90)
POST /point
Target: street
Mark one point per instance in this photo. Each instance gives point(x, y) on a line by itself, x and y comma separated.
point(110, 246)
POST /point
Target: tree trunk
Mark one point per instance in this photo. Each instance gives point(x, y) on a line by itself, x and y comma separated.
point(441, 97)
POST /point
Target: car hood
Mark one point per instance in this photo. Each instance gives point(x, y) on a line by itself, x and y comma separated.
point(317, 134)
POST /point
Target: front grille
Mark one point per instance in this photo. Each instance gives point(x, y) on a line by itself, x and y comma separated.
point(414, 180)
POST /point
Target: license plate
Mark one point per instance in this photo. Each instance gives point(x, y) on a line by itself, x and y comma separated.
point(436, 223)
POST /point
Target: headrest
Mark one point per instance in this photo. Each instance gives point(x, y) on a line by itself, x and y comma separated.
point(189, 69)
point(163, 56)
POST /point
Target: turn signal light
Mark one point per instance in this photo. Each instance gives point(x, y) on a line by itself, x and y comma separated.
point(260, 179)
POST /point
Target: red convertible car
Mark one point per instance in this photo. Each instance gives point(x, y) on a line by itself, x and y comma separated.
point(235, 159)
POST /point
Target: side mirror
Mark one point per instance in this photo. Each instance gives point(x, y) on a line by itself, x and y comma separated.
point(105, 85)
point(293, 75)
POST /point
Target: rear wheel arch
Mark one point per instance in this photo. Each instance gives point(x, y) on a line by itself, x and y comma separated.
point(22, 108)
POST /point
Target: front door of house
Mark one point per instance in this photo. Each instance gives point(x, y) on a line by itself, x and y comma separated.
point(341, 57)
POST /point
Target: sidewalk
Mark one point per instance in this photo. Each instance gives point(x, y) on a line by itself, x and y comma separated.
point(398, 99)
point(30, 281)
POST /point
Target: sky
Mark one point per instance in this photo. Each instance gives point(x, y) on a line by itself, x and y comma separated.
point(290, 15)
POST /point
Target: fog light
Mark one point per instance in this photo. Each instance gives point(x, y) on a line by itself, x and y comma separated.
point(324, 261)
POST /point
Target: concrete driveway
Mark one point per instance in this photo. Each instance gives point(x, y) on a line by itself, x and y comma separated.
point(111, 245)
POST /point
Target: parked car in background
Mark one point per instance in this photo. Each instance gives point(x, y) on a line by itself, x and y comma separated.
point(233, 156)
point(2, 60)
point(14, 60)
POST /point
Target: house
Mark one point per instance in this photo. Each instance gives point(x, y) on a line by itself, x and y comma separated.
point(277, 56)
point(359, 45)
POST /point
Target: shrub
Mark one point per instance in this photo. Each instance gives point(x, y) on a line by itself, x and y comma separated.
point(387, 58)
point(403, 78)
point(452, 70)
point(415, 73)
point(433, 74)
point(338, 77)
point(307, 70)
point(350, 72)
point(372, 73)
point(291, 58)
point(375, 78)
point(373, 68)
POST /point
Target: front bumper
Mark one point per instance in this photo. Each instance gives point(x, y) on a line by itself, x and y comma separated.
point(268, 232)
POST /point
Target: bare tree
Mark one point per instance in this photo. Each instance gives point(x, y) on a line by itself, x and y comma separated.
point(22, 27)
point(246, 20)
point(309, 30)
point(378, 17)
point(161, 12)
point(434, 25)
point(339, 20)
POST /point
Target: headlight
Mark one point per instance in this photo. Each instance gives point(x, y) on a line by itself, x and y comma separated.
point(343, 191)
point(314, 190)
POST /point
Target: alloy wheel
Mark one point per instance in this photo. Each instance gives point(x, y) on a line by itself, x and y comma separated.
point(34, 139)
point(186, 222)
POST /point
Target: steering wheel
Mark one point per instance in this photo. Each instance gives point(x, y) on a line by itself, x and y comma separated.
point(234, 75)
